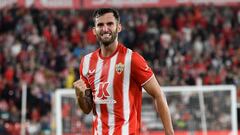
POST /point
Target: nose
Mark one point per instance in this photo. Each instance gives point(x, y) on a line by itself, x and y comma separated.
point(105, 28)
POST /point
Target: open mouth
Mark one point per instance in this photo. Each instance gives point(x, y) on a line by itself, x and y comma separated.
point(107, 35)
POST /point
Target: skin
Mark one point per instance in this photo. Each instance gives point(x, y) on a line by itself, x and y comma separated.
point(106, 30)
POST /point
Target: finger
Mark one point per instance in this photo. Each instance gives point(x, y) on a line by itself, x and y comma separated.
point(80, 85)
point(76, 83)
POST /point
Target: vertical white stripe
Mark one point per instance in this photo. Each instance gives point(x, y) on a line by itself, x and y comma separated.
point(110, 107)
point(98, 73)
point(86, 63)
point(126, 85)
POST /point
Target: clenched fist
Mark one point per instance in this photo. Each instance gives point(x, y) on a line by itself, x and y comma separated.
point(84, 96)
point(80, 87)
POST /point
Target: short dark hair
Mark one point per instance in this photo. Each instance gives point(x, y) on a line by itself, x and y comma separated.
point(101, 11)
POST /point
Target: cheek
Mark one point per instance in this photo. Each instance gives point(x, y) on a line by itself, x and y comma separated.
point(97, 32)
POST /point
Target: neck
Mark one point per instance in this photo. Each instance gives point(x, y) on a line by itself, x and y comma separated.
point(108, 50)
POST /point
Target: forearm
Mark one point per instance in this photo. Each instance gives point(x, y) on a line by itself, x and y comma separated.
point(163, 111)
point(85, 101)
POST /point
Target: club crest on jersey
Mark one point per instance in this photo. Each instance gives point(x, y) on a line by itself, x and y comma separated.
point(119, 68)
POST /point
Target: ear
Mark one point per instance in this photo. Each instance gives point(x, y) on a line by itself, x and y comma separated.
point(94, 30)
point(119, 28)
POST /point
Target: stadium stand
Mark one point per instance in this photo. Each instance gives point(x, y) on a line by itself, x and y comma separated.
point(43, 49)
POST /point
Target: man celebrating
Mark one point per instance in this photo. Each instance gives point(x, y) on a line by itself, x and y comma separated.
point(111, 81)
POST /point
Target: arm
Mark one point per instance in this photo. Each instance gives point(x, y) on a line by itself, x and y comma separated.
point(141, 73)
point(84, 96)
point(153, 88)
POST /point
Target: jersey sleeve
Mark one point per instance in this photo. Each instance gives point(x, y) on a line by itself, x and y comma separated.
point(82, 75)
point(141, 72)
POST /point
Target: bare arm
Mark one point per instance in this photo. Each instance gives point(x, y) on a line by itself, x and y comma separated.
point(84, 96)
point(153, 88)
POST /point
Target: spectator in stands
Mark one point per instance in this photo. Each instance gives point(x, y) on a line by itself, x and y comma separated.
point(32, 43)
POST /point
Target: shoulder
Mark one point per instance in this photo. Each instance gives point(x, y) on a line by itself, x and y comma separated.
point(138, 61)
point(123, 49)
point(91, 55)
point(137, 57)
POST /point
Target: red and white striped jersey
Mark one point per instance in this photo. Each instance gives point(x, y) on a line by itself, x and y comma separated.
point(116, 83)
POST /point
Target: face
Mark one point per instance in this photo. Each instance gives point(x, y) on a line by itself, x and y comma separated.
point(106, 29)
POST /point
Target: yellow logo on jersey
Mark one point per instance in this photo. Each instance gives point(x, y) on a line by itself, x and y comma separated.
point(119, 68)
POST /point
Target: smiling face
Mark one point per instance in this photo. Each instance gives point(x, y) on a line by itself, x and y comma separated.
point(106, 29)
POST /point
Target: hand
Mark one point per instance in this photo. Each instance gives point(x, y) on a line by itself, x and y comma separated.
point(84, 96)
point(80, 87)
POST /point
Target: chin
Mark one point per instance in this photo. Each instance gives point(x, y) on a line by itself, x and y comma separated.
point(106, 43)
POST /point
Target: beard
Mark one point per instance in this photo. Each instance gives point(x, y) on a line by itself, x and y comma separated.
point(107, 40)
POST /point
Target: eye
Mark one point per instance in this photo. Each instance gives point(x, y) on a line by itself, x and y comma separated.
point(110, 23)
point(100, 24)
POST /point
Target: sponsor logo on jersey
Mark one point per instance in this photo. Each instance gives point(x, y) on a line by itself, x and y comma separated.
point(90, 72)
point(103, 96)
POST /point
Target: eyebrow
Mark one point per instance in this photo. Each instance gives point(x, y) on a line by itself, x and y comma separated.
point(99, 24)
point(108, 23)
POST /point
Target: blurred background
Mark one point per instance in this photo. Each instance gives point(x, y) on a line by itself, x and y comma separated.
point(42, 42)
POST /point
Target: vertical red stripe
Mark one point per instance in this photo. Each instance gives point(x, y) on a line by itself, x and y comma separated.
point(132, 121)
point(81, 72)
point(103, 107)
point(81, 66)
point(139, 110)
point(92, 66)
point(118, 95)
point(134, 97)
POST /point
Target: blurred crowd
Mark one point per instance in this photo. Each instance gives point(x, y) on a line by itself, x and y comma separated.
point(42, 48)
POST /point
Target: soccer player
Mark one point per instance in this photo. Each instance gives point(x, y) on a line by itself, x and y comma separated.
point(111, 81)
